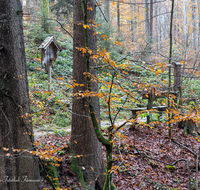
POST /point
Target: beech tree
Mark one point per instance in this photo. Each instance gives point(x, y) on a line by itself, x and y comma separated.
point(44, 5)
point(19, 170)
point(86, 149)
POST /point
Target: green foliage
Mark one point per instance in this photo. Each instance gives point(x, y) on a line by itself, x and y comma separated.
point(61, 132)
point(171, 168)
point(50, 168)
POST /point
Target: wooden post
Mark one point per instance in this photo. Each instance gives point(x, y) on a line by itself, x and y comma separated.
point(150, 104)
point(177, 80)
point(49, 76)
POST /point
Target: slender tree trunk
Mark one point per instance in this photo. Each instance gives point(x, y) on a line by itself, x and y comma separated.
point(147, 27)
point(15, 122)
point(194, 24)
point(107, 10)
point(44, 4)
point(133, 22)
point(107, 15)
point(118, 19)
point(185, 33)
point(84, 144)
point(158, 26)
point(198, 1)
point(151, 20)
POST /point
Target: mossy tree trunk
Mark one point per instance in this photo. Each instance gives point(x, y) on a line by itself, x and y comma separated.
point(90, 102)
point(15, 123)
point(85, 146)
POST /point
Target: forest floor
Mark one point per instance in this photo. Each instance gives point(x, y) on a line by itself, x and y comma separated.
point(143, 159)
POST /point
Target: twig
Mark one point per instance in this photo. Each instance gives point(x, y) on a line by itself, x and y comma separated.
point(184, 147)
point(118, 128)
point(101, 11)
point(120, 109)
point(63, 28)
point(110, 116)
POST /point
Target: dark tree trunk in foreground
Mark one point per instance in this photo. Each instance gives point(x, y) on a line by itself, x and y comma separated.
point(84, 143)
point(19, 171)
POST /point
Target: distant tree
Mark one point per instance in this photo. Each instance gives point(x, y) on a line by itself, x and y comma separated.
point(44, 6)
point(133, 21)
point(63, 8)
point(151, 20)
point(194, 24)
point(118, 18)
point(15, 121)
point(147, 26)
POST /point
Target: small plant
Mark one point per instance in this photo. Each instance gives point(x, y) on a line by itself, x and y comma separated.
point(61, 132)
point(153, 164)
point(61, 152)
point(171, 168)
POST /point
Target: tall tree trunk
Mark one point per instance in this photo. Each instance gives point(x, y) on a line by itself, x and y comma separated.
point(15, 124)
point(44, 4)
point(89, 164)
point(107, 15)
point(158, 28)
point(151, 20)
point(147, 27)
point(194, 24)
point(118, 19)
point(198, 1)
point(133, 21)
point(185, 32)
point(107, 9)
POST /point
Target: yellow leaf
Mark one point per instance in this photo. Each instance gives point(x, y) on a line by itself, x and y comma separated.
point(156, 72)
point(5, 149)
point(113, 3)
point(164, 81)
point(75, 142)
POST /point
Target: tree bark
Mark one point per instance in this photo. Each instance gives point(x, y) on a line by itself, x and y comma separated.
point(107, 10)
point(133, 21)
point(118, 19)
point(194, 24)
point(15, 122)
point(158, 26)
point(83, 137)
point(198, 1)
point(107, 15)
point(147, 27)
point(44, 4)
point(185, 32)
point(151, 20)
